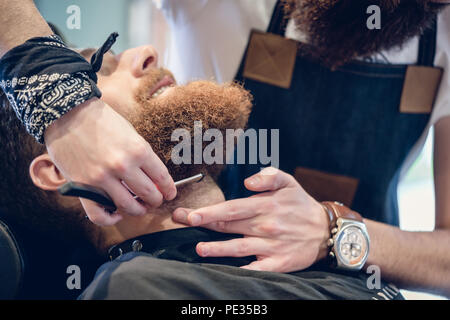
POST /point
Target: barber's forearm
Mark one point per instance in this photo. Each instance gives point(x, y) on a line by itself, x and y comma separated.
point(20, 21)
point(413, 260)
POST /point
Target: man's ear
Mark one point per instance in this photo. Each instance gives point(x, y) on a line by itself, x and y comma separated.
point(45, 174)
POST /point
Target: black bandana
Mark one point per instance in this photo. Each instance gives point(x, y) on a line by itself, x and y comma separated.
point(43, 79)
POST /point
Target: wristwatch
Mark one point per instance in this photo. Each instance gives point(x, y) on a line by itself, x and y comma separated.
point(349, 242)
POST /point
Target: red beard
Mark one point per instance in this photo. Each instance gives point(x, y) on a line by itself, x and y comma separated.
point(216, 106)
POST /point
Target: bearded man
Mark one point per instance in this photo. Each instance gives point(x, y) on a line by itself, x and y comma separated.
point(151, 256)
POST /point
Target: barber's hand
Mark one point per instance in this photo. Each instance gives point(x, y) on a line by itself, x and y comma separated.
point(284, 227)
point(94, 144)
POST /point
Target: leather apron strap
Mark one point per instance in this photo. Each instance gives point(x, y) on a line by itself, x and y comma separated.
point(427, 45)
point(278, 22)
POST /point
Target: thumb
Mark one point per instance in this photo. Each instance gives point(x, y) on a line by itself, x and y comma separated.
point(270, 179)
point(266, 264)
point(180, 215)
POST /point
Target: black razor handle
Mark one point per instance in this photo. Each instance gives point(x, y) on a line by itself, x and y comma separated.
point(81, 190)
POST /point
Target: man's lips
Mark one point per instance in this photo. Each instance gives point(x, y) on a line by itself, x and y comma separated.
point(164, 82)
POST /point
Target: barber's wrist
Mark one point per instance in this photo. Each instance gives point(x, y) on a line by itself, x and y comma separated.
point(349, 242)
point(74, 115)
point(43, 80)
point(325, 224)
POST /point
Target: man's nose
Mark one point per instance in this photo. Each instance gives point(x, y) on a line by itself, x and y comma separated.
point(145, 59)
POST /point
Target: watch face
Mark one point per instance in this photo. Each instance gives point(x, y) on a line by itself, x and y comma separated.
point(351, 246)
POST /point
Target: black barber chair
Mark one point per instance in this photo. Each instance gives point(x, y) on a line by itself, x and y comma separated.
point(34, 266)
point(11, 264)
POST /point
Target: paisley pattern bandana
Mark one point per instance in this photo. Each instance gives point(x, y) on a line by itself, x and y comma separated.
point(43, 80)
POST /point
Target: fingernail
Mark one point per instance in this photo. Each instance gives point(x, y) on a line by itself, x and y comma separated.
point(253, 181)
point(195, 219)
point(172, 194)
point(181, 214)
point(203, 250)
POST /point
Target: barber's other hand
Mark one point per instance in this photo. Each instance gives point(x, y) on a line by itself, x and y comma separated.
point(284, 227)
point(94, 144)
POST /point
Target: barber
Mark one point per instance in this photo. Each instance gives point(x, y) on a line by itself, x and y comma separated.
point(344, 134)
point(91, 142)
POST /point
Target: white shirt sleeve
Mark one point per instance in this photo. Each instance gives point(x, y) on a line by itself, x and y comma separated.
point(209, 37)
point(441, 106)
point(442, 59)
point(180, 12)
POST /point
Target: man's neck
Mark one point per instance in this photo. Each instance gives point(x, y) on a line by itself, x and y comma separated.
point(196, 195)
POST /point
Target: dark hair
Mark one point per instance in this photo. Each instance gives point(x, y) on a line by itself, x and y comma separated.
point(337, 29)
point(21, 202)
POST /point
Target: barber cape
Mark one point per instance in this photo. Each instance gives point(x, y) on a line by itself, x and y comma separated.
point(164, 265)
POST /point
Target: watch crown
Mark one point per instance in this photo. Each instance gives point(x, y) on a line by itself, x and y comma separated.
point(330, 242)
point(334, 230)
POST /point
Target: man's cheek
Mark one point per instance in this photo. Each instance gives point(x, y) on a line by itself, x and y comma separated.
point(117, 100)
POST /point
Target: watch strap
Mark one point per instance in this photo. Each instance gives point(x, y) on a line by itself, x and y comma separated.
point(336, 210)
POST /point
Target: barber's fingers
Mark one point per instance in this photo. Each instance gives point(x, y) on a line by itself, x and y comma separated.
point(252, 226)
point(123, 199)
point(98, 215)
point(270, 179)
point(225, 211)
point(243, 247)
point(158, 173)
point(240, 247)
point(144, 188)
point(272, 264)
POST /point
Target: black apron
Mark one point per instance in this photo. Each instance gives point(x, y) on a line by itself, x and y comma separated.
point(344, 124)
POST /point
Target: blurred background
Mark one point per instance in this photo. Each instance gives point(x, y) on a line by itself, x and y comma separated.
point(140, 22)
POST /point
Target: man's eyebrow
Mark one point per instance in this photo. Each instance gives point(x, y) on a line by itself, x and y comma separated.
point(87, 53)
